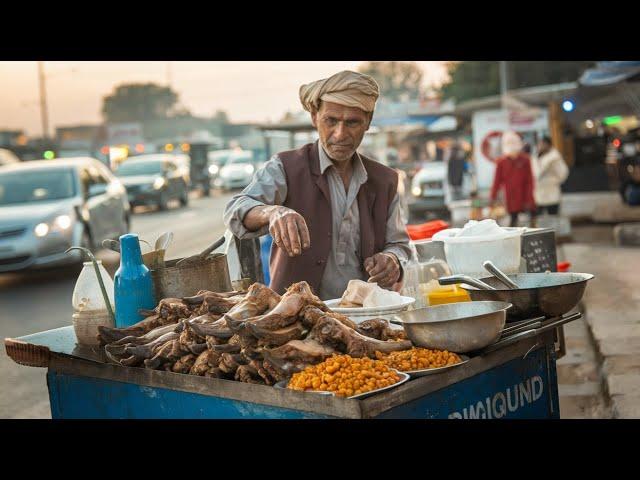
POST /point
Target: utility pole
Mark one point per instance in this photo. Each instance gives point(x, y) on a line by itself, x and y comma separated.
point(503, 84)
point(44, 115)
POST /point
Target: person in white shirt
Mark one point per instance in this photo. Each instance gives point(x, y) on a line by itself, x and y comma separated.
point(550, 172)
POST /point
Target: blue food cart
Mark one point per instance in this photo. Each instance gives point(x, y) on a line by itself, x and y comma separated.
point(515, 378)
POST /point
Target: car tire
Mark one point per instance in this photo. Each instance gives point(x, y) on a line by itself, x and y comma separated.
point(184, 197)
point(163, 201)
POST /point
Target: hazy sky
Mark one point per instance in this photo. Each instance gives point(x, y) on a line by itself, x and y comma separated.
point(248, 91)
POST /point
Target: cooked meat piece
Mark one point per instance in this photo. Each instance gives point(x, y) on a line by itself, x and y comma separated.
point(259, 299)
point(380, 329)
point(278, 337)
point(184, 364)
point(330, 331)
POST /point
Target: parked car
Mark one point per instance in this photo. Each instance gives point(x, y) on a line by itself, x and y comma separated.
point(182, 160)
point(427, 190)
point(7, 157)
point(218, 159)
point(47, 206)
point(154, 181)
point(237, 171)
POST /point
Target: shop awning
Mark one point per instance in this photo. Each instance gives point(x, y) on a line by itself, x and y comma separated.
point(610, 73)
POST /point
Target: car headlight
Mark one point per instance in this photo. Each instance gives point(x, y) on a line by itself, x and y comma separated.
point(41, 230)
point(249, 169)
point(63, 222)
point(159, 183)
point(416, 191)
point(213, 169)
point(58, 224)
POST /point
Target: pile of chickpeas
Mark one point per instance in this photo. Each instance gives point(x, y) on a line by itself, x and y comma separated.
point(418, 359)
point(345, 376)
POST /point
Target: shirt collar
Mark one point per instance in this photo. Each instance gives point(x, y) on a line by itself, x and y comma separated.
point(359, 172)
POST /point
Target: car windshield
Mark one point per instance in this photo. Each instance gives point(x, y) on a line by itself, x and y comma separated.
point(128, 169)
point(36, 186)
point(233, 160)
point(218, 159)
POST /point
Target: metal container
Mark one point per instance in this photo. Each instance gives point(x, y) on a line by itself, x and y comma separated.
point(456, 327)
point(540, 294)
point(184, 281)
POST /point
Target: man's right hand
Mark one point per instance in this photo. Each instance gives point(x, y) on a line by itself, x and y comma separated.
point(289, 230)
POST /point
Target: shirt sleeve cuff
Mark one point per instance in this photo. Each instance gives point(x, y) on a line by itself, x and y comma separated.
point(401, 256)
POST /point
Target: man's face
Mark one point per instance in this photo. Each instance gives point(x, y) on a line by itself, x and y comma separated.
point(340, 128)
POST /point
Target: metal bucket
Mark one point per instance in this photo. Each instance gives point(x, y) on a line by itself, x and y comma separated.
point(176, 282)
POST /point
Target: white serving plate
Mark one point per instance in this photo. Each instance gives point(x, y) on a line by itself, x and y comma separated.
point(370, 311)
point(431, 371)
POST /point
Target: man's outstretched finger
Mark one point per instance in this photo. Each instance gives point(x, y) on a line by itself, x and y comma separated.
point(368, 264)
point(378, 268)
point(284, 237)
point(304, 232)
point(294, 236)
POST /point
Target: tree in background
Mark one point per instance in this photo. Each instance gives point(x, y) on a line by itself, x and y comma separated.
point(468, 80)
point(139, 102)
point(396, 79)
point(221, 117)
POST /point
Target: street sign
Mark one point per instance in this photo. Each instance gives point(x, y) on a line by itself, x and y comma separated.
point(124, 134)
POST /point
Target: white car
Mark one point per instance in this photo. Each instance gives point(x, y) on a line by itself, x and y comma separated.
point(237, 171)
point(47, 206)
point(427, 188)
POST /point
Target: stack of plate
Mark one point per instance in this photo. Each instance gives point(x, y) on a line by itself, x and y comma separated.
point(360, 314)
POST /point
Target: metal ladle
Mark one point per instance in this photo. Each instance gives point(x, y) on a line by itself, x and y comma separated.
point(194, 259)
point(474, 282)
point(499, 274)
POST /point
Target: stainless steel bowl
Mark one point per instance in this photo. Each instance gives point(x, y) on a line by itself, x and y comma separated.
point(456, 327)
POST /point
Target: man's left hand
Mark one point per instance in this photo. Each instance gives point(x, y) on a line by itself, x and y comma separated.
point(383, 269)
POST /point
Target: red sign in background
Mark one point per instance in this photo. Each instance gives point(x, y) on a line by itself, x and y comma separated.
point(485, 146)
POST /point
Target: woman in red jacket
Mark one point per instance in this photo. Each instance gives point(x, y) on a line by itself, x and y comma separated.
point(513, 172)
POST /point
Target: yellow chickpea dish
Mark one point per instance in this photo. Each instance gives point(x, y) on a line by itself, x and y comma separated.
point(418, 359)
point(345, 376)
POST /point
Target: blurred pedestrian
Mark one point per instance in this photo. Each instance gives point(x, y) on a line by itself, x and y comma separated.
point(550, 171)
point(456, 163)
point(514, 174)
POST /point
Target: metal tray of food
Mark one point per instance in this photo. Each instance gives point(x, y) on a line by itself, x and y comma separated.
point(404, 377)
point(433, 371)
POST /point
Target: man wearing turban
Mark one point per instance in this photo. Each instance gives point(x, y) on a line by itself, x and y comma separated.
point(333, 213)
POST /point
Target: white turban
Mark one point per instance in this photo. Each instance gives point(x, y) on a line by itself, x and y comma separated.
point(347, 88)
point(511, 143)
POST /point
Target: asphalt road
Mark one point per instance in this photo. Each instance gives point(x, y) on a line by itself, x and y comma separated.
point(34, 302)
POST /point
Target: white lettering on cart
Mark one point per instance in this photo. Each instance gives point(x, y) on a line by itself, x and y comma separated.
point(525, 391)
point(497, 405)
point(537, 381)
point(475, 413)
point(499, 412)
point(514, 407)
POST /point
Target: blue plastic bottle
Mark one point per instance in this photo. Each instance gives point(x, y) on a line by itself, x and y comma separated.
point(133, 286)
